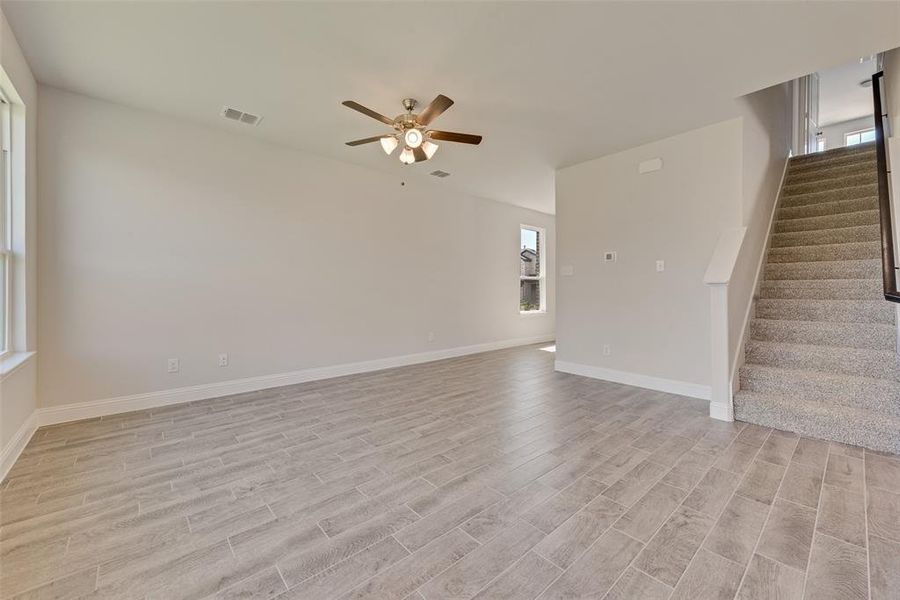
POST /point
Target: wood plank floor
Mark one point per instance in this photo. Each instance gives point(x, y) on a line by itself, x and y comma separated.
point(488, 476)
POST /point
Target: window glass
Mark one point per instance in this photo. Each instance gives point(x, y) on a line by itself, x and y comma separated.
point(531, 270)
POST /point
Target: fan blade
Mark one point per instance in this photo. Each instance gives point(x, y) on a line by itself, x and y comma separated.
point(419, 154)
point(367, 111)
point(365, 141)
point(437, 106)
point(450, 136)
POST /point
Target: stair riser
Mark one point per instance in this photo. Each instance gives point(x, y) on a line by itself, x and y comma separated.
point(791, 417)
point(877, 395)
point(843, 161)
point(824, 185)
point(844, 235)
point(858, 269)
point(834, 311)
point(853, 251)
point(868, 217)
point(828, 208)
point(862, 363)
point(864, 168)
point(835, 195)
point(870, 290)
point(854, 335)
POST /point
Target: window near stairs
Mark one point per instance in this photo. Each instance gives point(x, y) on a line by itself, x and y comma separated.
point(859, 137)
point(532, 292)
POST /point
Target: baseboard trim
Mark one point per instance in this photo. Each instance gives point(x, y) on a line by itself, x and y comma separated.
point(660, 384)
point(110, 406)
point(10, 454)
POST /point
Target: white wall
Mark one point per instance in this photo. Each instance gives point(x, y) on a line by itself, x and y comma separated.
point(891, 68)
point(17, 387)
point(165, 239)
point(834, 133)
point(656, 324)
point(765, 143)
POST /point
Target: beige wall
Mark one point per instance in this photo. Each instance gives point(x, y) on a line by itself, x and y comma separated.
point(17, 388)
point(657, 325)
point(164, 239)
point(765, 144)
point(891, 70)
point(834, 133)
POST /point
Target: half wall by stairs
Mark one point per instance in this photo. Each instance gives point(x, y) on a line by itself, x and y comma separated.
point(821, 358)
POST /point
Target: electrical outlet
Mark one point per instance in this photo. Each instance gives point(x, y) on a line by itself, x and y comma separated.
point(607, 350)
point(567, 270)
point(430, 336)
point(223, 360)
point(173, 365)
point(660, 266)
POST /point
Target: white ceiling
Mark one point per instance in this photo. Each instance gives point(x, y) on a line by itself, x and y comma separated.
point(841, 98)
point(547, 84)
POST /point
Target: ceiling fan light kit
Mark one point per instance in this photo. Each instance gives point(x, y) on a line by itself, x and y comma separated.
point(418, 144)
point(389, 143)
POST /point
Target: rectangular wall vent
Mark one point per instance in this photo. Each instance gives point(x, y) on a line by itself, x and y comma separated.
point(240, 116)
point(440, 173)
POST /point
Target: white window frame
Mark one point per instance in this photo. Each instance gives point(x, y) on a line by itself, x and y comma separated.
point(6, 255)
point(858, 132)
point(542, 276)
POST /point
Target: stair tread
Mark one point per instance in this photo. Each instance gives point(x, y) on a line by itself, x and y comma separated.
point(866, 211)
point(828, 310)
point(848, 424)
point(827, 204)
point(827, 301)
point(820, 375)
point(849, 282)
point(792, 199)
point(840, 161)
point(821, 253)
point(825, 333)
point(840, 360)
point(799, 323)
point(867, 233)
point(888, 354)
point(834, 152)
point(835, 221)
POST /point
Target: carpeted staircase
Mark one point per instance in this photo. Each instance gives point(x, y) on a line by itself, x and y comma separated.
point(821, 358)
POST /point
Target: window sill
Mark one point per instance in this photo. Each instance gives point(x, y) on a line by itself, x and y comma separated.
point(532, 312)
point(12, 361)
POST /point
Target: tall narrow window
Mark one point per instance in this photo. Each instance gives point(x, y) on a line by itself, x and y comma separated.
point(531, 270)
point(5, 227)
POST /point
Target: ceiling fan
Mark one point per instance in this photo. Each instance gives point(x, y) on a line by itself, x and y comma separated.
point(418, 144)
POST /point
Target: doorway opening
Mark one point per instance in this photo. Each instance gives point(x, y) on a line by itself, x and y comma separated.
point(834, 106)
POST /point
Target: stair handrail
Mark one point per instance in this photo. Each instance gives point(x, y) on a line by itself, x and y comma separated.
point(888, 259)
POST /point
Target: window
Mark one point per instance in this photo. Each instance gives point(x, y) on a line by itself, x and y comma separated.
point(859, 137)
point(531, 270)
point(5, 227)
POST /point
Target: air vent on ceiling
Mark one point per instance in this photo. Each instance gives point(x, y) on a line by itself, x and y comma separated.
point(241, 116)
point(440, 173)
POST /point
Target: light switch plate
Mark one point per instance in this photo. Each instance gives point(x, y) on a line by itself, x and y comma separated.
point(567, 270)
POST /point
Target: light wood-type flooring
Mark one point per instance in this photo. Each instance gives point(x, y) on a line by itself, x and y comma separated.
point(488, 476)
